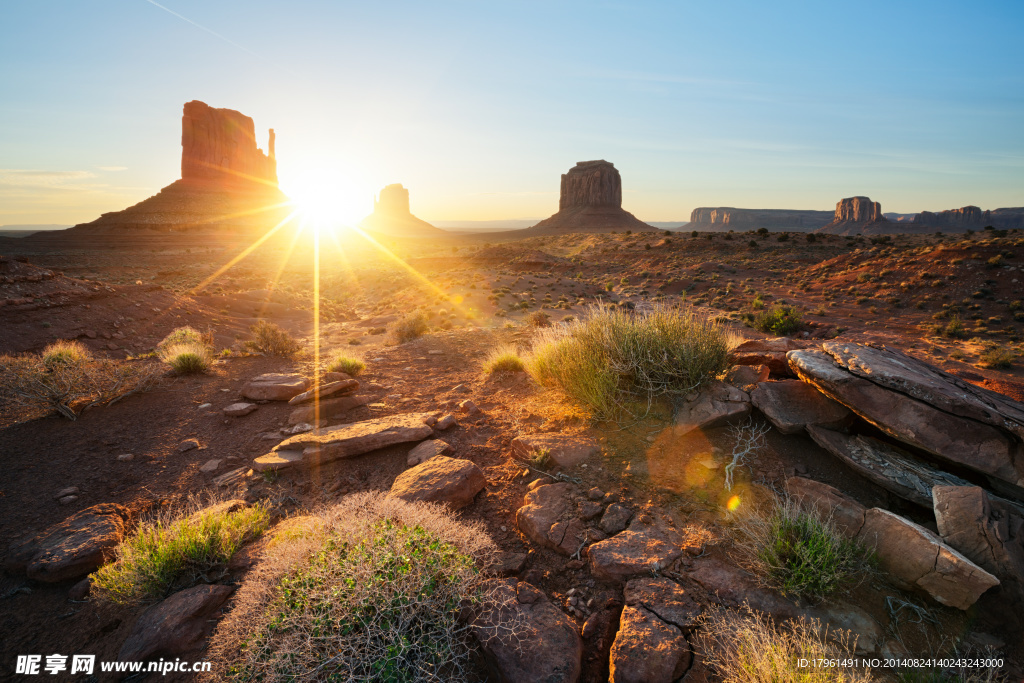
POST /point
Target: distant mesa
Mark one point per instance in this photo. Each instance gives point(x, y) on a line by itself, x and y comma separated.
point(228, 184)
point(590, 201)
point(391, 216)
point(858, 216)
point(723, 218)
point(971, 218)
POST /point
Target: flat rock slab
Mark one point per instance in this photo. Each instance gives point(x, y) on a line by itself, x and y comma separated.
point(891, 468)
point(968, 442)
point(746, 377)
point(329, 408)
point(988, 531)
point(175, 626)
point(546, 518)
point(344, 441)
point(792, 405)
point(920, 559)
point(524, 637)
point(441, 480)
point(666, 599)
point(564, 451)
point(427, 450)
point(714, 405)
point(240, 409)
point(647, 650)
point(734, 587)
point(328, 390)
point(830, 503)
point(275, 386)
point(75, 547)
point(630, 553)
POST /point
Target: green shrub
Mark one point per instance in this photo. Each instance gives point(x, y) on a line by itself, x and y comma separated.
point(539, 319)
point(410, 327)
point(779, 320)
point(612, 359)
point(268, 338)
point(351, 366)
point(955, 329)
point(174, 551)
point(797, 551)
point(188, 359)
point(504, 358)
point(61, 353)
point(372, 591)
point(997, 358)
point(184, 335)
point(749, 647)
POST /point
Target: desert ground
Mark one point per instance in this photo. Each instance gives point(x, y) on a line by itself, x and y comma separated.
point(953, 301)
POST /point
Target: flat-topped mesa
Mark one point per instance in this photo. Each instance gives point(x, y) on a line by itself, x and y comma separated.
point(973, 217)
point(219, 146)
point(729, 218)
point(858, 215)
point(591, 183)
point(590, 200)
point(392, 215)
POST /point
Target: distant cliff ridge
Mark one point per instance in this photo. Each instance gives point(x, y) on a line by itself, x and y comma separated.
point(972, 217)
point(730, 218)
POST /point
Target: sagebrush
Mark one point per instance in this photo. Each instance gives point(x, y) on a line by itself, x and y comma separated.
point(268, 338)
point(412, 326)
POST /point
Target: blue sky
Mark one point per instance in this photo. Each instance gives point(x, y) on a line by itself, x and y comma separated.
point(477, 107)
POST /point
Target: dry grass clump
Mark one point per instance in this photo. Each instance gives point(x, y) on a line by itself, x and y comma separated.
point(373, 592)
point(795, 550)
point(67, 379)
point(186, 350)
point(174, 550)
point(748, 647)
point(504, 358)
point(341, 362)
point(412, 326)
point(268, 338)
point(612, 360)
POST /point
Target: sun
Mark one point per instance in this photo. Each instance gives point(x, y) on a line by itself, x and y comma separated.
point(325, 200)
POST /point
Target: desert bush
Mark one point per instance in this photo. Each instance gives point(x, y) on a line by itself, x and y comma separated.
point(748, 647)
point(61, 353)
point(268, 338)
point(997, 358)
point(184, 335)
point(612, 359)
point(186, 350)
point(504, 358)
point(539, 319)
point(779, 320)
point(795, 550)
point(955, 329)
point(412, 326)
point(174, 550)
point(371, 592)
point(350, 365)
point(71, 383)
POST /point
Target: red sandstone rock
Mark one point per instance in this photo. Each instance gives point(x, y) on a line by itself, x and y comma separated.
point(219, 145)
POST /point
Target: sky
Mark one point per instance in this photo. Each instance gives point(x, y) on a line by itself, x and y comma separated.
point(478, 107)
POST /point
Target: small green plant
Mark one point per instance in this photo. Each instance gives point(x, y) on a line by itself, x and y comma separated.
point(779, 320)
point(795, 550)
point(350, 365)
point(268, 338)
point(173, 551)
point(412, 326)
point(504, 358)
point(955, 329)
point(186, 350)
point(63, 353)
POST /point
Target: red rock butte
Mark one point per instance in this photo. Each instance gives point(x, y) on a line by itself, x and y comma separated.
point(391, 216)
point(857, 216)
point(590, 201)
point(228, 184)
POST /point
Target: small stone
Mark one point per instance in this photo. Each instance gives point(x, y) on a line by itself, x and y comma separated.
point(445, 422)
point(125, 457)
point(595, 494)
point(615, 518)
point(590, 509)
point(204, 406)
point(210, 466)
point(67, 500)
point(80, 591)
point(188, 445)
point(427, 450)
point(239, 409)
point(69, 491)
point(460, 389)
point(468, 407)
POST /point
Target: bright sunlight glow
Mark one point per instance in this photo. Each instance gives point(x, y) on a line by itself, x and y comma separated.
point(325, 200)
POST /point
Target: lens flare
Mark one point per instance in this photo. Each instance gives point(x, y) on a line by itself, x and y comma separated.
point(733, 504)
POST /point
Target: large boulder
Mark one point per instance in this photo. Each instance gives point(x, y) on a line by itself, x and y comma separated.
point(846, 513)
point(524, 637)
point(631, 553)
point(647, 650)
point(275, 386)
point(963, 440)
point(546, 519)
point(792, 405)
point(563, 451)
point(75, 547)
point(714, 405)
point(344, 441)
point(919, 559)
point(441, 480)
point(892, 468)
point(175, 626)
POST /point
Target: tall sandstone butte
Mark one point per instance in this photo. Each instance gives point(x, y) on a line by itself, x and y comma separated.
point(590, 201)
point(858, 215)
point(392, 216)
point(219, 145)
point(227, 186)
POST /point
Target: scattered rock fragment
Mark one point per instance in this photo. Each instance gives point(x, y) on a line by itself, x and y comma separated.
point(445, 422)
point(615, 518)
point(441, 480)
point(210, 466)
point(747, 377)
point(125, 457)
point(239, 409)
point(468, 407)
point(546, 519)
point(427, 450)
point(275, 386)
point(188, 445)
